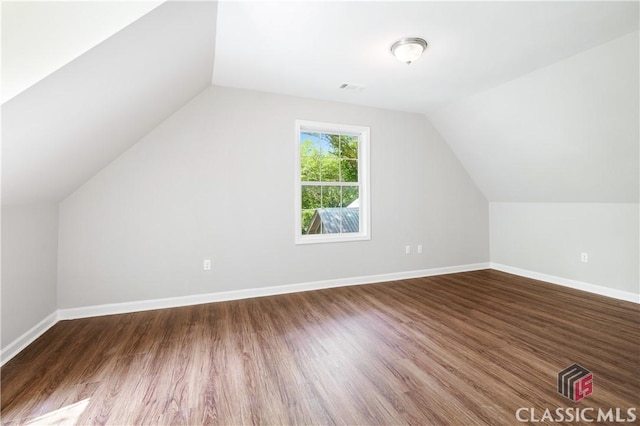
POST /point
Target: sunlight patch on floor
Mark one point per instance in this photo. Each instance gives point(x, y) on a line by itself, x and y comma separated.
point(67, 415)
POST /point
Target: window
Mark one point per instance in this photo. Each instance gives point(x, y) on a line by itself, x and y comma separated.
point(332, 182)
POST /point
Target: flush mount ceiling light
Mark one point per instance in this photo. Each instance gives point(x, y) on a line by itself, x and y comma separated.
point(408, 50)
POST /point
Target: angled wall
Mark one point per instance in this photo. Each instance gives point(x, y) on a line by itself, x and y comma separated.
point(565, 133)
point(550, 238)
point(557, 154)
point(216, 180)
point(29, 273)
point(68, 126)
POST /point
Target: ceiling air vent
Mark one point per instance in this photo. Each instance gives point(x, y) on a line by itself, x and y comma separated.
point(352, 87)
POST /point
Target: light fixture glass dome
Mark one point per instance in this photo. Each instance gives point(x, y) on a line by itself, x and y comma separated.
point(408, 50)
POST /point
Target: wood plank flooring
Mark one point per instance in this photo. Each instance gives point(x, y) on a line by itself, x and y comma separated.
point(462, 349)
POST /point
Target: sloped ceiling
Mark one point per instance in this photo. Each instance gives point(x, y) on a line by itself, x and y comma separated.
point(536, 98)
point(67, 127)
point(40, 37)
point(539, 100)
point(568, 132)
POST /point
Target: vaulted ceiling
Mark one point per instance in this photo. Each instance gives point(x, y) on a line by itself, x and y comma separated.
point(567, 133)
point(510, 85)
point(62, 130)
point(40, 37)
point(309, 49)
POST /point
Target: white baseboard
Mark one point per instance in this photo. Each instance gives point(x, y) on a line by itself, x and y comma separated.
point(144, 305)
point(174, 302)
point(578, 285)
point(27, 338)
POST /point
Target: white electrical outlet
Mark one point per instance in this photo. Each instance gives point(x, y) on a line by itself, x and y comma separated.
point(419, 248)
point(407, 249)
point(206, 264)
point(584, 257)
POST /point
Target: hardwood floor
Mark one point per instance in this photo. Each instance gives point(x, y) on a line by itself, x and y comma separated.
point(468, 348)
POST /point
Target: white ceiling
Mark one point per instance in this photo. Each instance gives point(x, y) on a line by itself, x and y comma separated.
point(309, 49)
point(537, 99)
point(40, 37)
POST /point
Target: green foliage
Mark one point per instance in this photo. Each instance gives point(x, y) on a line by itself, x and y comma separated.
point(327, 158)
point(307, 215)
point(346, 148)
point(349, 195)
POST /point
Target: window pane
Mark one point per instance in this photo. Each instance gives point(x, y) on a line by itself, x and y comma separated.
point(349, 170)
point(311, 197)
point(331, 196)
point(329, 168)
point(331, 220)
point(350, 218)
point(333, 144)
point(310, 169)
point(325, 142)
point(348, 147)
point(350, 195)
point(309, 144)
point(309, 157)
point(307, 216)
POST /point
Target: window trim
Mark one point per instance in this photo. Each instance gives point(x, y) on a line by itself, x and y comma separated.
point(363, 133)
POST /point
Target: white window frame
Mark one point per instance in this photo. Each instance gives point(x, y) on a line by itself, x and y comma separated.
point(363, 134)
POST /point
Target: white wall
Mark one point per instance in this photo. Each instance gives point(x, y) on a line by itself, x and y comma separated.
point(29, 265)
point(216, 180)
point(565, 133)
point(40, 37)
point(550, 237)
point(67, 127)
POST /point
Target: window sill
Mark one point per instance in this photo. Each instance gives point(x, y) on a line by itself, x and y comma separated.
point(329, 238)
